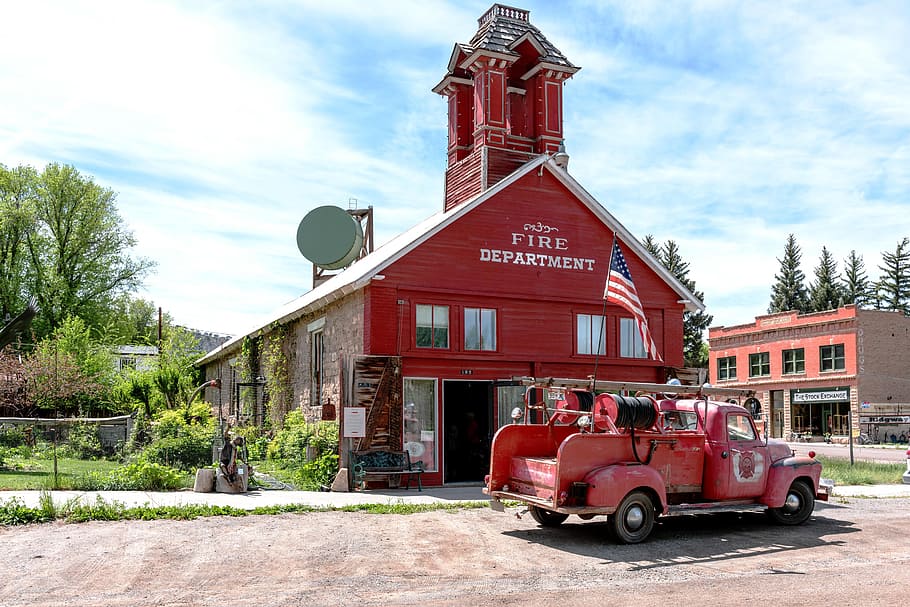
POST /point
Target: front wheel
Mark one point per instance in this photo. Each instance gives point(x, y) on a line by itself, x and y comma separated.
point(547, 518)
point(797, 507)
point(634, 519)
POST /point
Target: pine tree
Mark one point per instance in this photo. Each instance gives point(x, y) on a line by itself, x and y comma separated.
point(826, 293)
point(856, 286)
point(652, 246)
point(893, 288)
point(694, 323)
point(789, 292)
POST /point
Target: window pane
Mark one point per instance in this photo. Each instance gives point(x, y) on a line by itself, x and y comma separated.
point(590, 336)
point(471, 329)
point(432, 326)
point(630, 341)
point(739, 428)
point(420, 421)
point(488, 330)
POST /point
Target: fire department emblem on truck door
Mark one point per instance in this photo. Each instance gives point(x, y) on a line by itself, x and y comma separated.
point(748, 465)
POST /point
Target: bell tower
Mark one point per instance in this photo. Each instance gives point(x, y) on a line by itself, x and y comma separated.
point(504, 90)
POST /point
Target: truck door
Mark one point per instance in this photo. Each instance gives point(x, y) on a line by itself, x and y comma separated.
point(744, 461)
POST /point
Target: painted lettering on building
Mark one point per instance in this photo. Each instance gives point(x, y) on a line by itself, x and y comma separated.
point(538, 245)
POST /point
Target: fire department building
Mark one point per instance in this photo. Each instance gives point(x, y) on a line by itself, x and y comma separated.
point(822, 373)
point(507, 279)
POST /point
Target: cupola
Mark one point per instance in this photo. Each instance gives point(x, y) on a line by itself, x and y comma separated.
point(504, 90)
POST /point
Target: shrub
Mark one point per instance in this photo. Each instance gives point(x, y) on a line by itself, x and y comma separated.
point(138, 476)
point(12, 437)
point(82, 442)
point(182, 439)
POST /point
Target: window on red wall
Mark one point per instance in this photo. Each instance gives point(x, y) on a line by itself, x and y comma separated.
point(794, 361)
point(726, 368)
point(631, 344)
point(760, 364)
point(480, 329)
point(432, 326)
point(831, 358)
point(590, 335)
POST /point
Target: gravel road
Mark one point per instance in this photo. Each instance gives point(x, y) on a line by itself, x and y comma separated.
point(852, 552)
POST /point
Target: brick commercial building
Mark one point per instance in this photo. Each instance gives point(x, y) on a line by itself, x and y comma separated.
point(822, 373)
point(507, 279)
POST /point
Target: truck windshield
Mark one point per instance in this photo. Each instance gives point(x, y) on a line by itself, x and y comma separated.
point(680, 420)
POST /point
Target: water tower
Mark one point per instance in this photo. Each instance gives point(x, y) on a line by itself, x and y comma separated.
point(333, 238)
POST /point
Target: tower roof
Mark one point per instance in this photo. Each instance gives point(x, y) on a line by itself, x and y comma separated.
point(502, 28)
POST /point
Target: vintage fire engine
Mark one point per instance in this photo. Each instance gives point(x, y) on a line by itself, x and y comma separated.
point(664, 449)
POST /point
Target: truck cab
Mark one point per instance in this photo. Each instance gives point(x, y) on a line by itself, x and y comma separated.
point(663, 451)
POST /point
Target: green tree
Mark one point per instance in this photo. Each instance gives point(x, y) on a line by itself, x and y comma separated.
point(789, 290)
point(893, 287)
point(79, 258)
point(826, 293)
point(694, 323)
point(17, 219)
point(70, 372)
point(855, 284)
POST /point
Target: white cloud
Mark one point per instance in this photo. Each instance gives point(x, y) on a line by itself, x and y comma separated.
point(722, 125)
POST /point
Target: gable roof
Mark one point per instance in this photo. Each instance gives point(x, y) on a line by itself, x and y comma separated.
point(361, 272)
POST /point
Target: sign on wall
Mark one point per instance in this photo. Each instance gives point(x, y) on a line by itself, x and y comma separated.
point(820, 395)
point(540, 245)
point(355, 422)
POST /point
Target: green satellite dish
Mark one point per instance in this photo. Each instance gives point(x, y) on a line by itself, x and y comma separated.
point(330, 237)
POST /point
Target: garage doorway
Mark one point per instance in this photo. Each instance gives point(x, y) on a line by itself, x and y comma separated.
point(468, 426)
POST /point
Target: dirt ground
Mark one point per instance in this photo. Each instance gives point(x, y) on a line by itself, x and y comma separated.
point(850, 553)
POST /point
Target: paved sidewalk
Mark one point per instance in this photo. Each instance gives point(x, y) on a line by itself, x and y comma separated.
point(262, 498)
point(259, 498)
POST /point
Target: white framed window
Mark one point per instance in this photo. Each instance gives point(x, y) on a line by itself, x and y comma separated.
point(631, 345)
point(590, 334)
point(432, 326)
point(480, 329)
point(420, 425)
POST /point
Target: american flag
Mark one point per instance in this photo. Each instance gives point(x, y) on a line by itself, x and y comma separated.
point(621, 290)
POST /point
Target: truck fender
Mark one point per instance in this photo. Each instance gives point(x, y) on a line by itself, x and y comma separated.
point(608, 486)
point(782, 474)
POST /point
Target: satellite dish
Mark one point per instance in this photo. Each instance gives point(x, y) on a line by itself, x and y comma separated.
point(330, 237)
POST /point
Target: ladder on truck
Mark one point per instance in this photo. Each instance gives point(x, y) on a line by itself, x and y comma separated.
point(591, 385)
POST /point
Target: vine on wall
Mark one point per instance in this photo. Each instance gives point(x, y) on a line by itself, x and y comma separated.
point(277, 377)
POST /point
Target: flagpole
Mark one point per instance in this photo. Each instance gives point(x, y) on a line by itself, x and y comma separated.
point(603, 315)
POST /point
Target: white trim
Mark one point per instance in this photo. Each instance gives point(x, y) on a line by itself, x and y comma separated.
point(316, 325)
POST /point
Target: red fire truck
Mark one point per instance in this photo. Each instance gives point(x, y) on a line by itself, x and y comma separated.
point(636, 451)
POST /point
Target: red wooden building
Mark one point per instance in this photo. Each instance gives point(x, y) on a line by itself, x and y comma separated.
point(506, 280)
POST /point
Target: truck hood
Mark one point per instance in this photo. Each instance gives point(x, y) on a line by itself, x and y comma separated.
point(778, 450)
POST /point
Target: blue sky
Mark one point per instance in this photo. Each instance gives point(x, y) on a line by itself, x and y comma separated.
point(722, 125)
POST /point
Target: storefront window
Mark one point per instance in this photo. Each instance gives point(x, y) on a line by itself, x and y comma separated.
point(509, 397)
point(420, 421)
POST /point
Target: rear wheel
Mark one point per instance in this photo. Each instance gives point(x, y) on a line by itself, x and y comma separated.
point(547, 518)
point(634, 519)
point(797, 507)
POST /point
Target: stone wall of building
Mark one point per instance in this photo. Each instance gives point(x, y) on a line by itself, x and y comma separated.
point(341, 325)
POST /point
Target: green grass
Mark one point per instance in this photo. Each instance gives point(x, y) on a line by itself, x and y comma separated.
point(22, 474)
point(14, 512)
point(861, 473)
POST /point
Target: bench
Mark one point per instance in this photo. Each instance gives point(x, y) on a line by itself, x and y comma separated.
point(383, 462)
